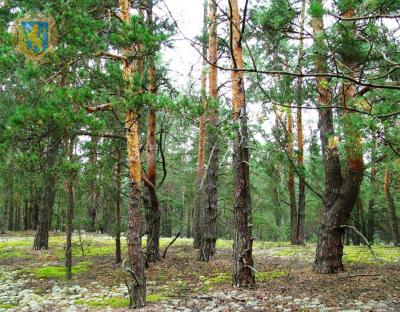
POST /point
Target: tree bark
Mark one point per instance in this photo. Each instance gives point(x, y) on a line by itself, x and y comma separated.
point(10, 197)
point(371, 205)
point(209, 235)
point(92, 207)
point(200, 198)
point(340, 193)
point(301, 209)
point(166, 221)
point(290, 183)
point(118, 176)
point(243, 271)
point(137, 290)
point(154, 216)
point(70, 210)
point(49, 192)
point(392, 209)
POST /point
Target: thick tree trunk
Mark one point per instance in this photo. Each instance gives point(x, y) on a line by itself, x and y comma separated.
point(301, 209)
point(340, 194)
point(70, 212)
point(138, 285)
point(49, 192)
point(137, 289)
point(200, 198)
point(392, 210)
point(209, 236)
point(118, 176)
point(153, 217)
point(243, 272)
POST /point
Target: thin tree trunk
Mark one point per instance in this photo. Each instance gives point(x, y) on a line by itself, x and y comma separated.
point(243, 272)
point(392, 209)
point(94, 191)
point(118, 176)
point(301, 209)
point(49, 192)
point(200, 198)
point(70, 211)
point(340, 194)
point(371, 205)
point(166, 221)
point(10, 198)
point(137, 290)
point(290, 183)
point(209, 235)
point(189, 220)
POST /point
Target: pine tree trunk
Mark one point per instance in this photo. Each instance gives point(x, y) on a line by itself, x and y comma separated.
point(290, 184)
point(70, 212)
point(10, 198)
point(153, 216)
point(94, 191)
point(137, 290)
point(189, 221)
point(392, 210)
point(166, 221)
point(200, 198)
point(371, 205)
point(209, 235)
point(136, 258)
point(340, 194)
point(301, 210)
point(118, 176)
point(49, 192)
point(243, 273)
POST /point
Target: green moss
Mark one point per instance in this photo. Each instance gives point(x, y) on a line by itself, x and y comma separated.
point(289, 251)
point(117, 302)
point(152, 298)
point(60, 271)
point(221, 278)
point(106, 302)
point(15, 248)
point(270, 275)
point(7, 306)
point(361, 254)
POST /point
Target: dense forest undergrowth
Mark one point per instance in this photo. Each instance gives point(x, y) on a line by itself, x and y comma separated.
point(32, 280)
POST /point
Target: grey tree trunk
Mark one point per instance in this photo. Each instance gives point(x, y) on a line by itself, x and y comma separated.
point(49, 180)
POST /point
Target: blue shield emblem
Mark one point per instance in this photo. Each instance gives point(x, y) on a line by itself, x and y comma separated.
point(36, 36)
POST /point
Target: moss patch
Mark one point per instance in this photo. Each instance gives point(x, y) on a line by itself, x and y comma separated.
point(270, 275)
point(60, 271)
point(152, 298)
point(7, 306)
point(15, 248)
point(118, 302)
point(107, 302)
point(361, 254)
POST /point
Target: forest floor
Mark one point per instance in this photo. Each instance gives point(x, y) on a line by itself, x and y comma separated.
point(34, 280)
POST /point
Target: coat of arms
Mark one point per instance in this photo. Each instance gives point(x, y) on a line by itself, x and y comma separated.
point(34, 36)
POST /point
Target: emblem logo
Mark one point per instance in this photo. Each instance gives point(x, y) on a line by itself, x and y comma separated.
point(34, 36)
